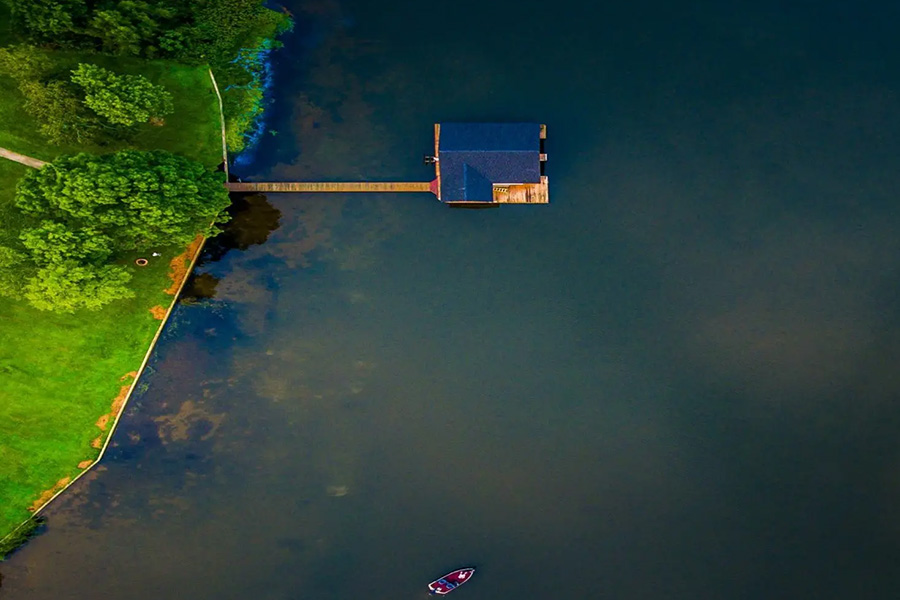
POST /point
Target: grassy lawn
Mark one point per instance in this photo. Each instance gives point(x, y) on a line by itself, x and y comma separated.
point(60, 372)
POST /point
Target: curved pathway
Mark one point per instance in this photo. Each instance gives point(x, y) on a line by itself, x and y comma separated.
point(21, 158)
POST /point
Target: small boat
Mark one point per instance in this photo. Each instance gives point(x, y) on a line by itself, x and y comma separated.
point(451, 581)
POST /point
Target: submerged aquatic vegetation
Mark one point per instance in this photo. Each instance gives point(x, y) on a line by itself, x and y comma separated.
point(245, 99)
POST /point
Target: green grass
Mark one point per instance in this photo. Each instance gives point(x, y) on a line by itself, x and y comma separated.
point(58, 374)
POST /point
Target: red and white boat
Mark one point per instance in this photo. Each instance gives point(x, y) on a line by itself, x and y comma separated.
point(451, 581)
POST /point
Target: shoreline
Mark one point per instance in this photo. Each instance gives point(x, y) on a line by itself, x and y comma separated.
point(114, 422)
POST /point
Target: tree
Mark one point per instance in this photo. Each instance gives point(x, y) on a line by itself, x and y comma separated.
point(122, 99)
point(62, 116)
point(48, 20)
point(86, 210)
point(223, 27)
point(53, 242)
point(15, 268)
point(130, 26)
point(69, 285)
point(137, 199)
point(24, 63)
point(62, 270)
point(205, 30)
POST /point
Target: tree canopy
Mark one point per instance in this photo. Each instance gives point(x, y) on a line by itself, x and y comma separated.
point(139, 199)
point(48, 20)
point(23, 62)
point(87, 211)
point(207, 30)
point(71, 285)
point(52, 242)
point(121, 99)
point(62, 116)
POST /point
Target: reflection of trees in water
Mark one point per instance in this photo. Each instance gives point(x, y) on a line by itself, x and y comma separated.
point(253, 219)
point(202, 285)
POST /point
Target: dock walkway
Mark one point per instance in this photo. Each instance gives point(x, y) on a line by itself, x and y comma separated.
point(330, 186)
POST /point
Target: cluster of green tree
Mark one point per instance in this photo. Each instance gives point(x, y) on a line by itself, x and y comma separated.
point(85, 212)
point(202, 30)
point(121, 99)
point(85, 104)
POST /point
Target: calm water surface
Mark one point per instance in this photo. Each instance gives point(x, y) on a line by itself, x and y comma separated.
point(679, 380)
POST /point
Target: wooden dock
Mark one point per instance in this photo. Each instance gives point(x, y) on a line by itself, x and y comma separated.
point(522, 193)
point(329, 186)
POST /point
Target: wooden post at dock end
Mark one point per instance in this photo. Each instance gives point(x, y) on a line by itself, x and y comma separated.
point(437, 159)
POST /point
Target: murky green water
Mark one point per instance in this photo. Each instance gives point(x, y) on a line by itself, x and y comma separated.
point(676, 381)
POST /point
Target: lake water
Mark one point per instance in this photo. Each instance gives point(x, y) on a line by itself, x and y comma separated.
point(678, 380)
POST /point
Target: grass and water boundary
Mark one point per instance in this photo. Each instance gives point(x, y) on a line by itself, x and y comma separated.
point(64, 376)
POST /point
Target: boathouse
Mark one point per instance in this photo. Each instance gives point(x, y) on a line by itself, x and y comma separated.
point(475, 164)
point(489, 163)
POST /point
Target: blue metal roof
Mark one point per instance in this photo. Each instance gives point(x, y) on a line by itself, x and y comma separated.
point(474, 156)
point(490, 137)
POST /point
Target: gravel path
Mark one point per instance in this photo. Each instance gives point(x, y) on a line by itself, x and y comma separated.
point(21, 158)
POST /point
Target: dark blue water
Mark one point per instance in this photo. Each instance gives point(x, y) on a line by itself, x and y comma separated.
point(678, 380)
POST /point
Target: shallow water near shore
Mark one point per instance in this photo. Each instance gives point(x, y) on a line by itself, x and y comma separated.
point(678, 380)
